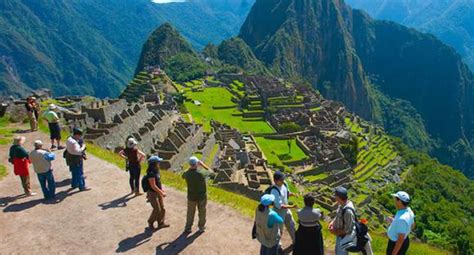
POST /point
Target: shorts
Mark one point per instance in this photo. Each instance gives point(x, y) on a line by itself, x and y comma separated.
point(54, 131)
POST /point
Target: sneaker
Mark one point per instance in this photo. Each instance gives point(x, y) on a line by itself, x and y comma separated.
point(85, 189)
point(187, 231)
point(138, 193)
point(61, 147)
point(201, 230)
point(53, 147)
point(30, 194)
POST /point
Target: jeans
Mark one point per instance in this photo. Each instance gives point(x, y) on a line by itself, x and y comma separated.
point(134, 177)
point(269, 251)
point(77, 172)
point(48, 186)
point(201, 206)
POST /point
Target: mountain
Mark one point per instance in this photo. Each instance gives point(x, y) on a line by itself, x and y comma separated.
point(92, 47)
point(449, 20)
point(371, 66)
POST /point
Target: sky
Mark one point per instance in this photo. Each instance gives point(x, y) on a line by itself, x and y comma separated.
point(167, 1)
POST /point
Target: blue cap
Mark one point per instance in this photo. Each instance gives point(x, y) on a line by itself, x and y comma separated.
point(193, 160)
point(154, 159)
point(278, 175)
point(341, 192)
point(267, 199)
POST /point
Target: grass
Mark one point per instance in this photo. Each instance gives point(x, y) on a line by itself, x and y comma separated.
point(219, 97)
point(7, 131)
point(3, 171)
point(312, 178)
point(276, 151)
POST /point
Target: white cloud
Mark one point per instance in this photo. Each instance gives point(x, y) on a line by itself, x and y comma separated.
point(167, 1)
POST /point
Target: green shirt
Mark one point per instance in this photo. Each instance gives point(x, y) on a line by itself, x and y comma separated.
point(51, 116)
point(196, 180)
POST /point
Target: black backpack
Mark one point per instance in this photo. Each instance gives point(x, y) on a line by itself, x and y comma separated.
point(361, 233)
point(145, 183)
point(269, 189)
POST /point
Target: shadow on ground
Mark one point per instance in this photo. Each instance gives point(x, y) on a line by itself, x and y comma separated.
point(18, 207)
point(178, 245)
point(117, 203)
point(134, 241)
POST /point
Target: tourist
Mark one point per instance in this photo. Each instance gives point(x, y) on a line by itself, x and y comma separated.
point(309, 238)
point(41, 160)
point(19, 158)
point(343, 225)
point(155, 193)
point(282, 207)
point(197, 193)
point(134, 157)
point(75, 159)
point(32, 109)
point(53, 123)
point(401, 225)
point(267, 223)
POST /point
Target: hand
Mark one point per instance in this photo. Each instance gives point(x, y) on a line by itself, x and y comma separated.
point(163, 194)
point(389, 219)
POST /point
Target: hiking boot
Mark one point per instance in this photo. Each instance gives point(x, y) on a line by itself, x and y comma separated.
point(201, 230)
point(53, 147)
point(187, 231)
point(61, 147)
point(85, 189)
point(137, 193)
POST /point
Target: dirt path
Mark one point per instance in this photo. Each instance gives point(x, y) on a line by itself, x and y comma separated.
point(105, 220)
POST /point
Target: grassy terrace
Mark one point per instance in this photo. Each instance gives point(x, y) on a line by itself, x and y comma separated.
point(213, 98)
point(373, 155)
point(276, 151)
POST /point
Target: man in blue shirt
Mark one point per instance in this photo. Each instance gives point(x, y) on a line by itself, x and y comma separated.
point(401, 225)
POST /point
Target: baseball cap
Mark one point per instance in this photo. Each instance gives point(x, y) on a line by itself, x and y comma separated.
point(278, 175)
point(154, 159)
point(77, 131)
point(341, 192)
point(52, 107)
point(267, 199)
point(131, 142)
point(402, 195)
point(193, 160)
point(38, 143)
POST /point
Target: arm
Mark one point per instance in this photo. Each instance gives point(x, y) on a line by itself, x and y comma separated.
point(122, 154)
point(153, 186)
point(77, 149)
point(202, 164)
point(398, 244)
point(141, 156)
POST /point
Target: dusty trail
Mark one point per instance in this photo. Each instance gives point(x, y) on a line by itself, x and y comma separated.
point(105, 220)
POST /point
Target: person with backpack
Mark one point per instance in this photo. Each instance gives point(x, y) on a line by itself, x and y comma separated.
point(351, 235)
point(134, 157)
point(151, 184)
point(53, 123)
point(74, 155)
point(267, 222)
point(18, 156)
point(197, 193)
point(309, 237)
point(41, 160)
point(282, 207)
point(401, 225)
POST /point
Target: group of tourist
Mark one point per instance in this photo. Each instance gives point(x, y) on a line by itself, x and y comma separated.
point(41, 159)
point(195, 178)
point(273, 212)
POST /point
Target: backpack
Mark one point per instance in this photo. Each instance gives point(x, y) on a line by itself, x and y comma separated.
point(271, 188)
point(361, 237)
point(145, 184)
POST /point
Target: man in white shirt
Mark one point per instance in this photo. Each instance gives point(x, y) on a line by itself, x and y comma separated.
point(282, 207)
point(401, 225)
point(41, 160)
point(75, 149)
